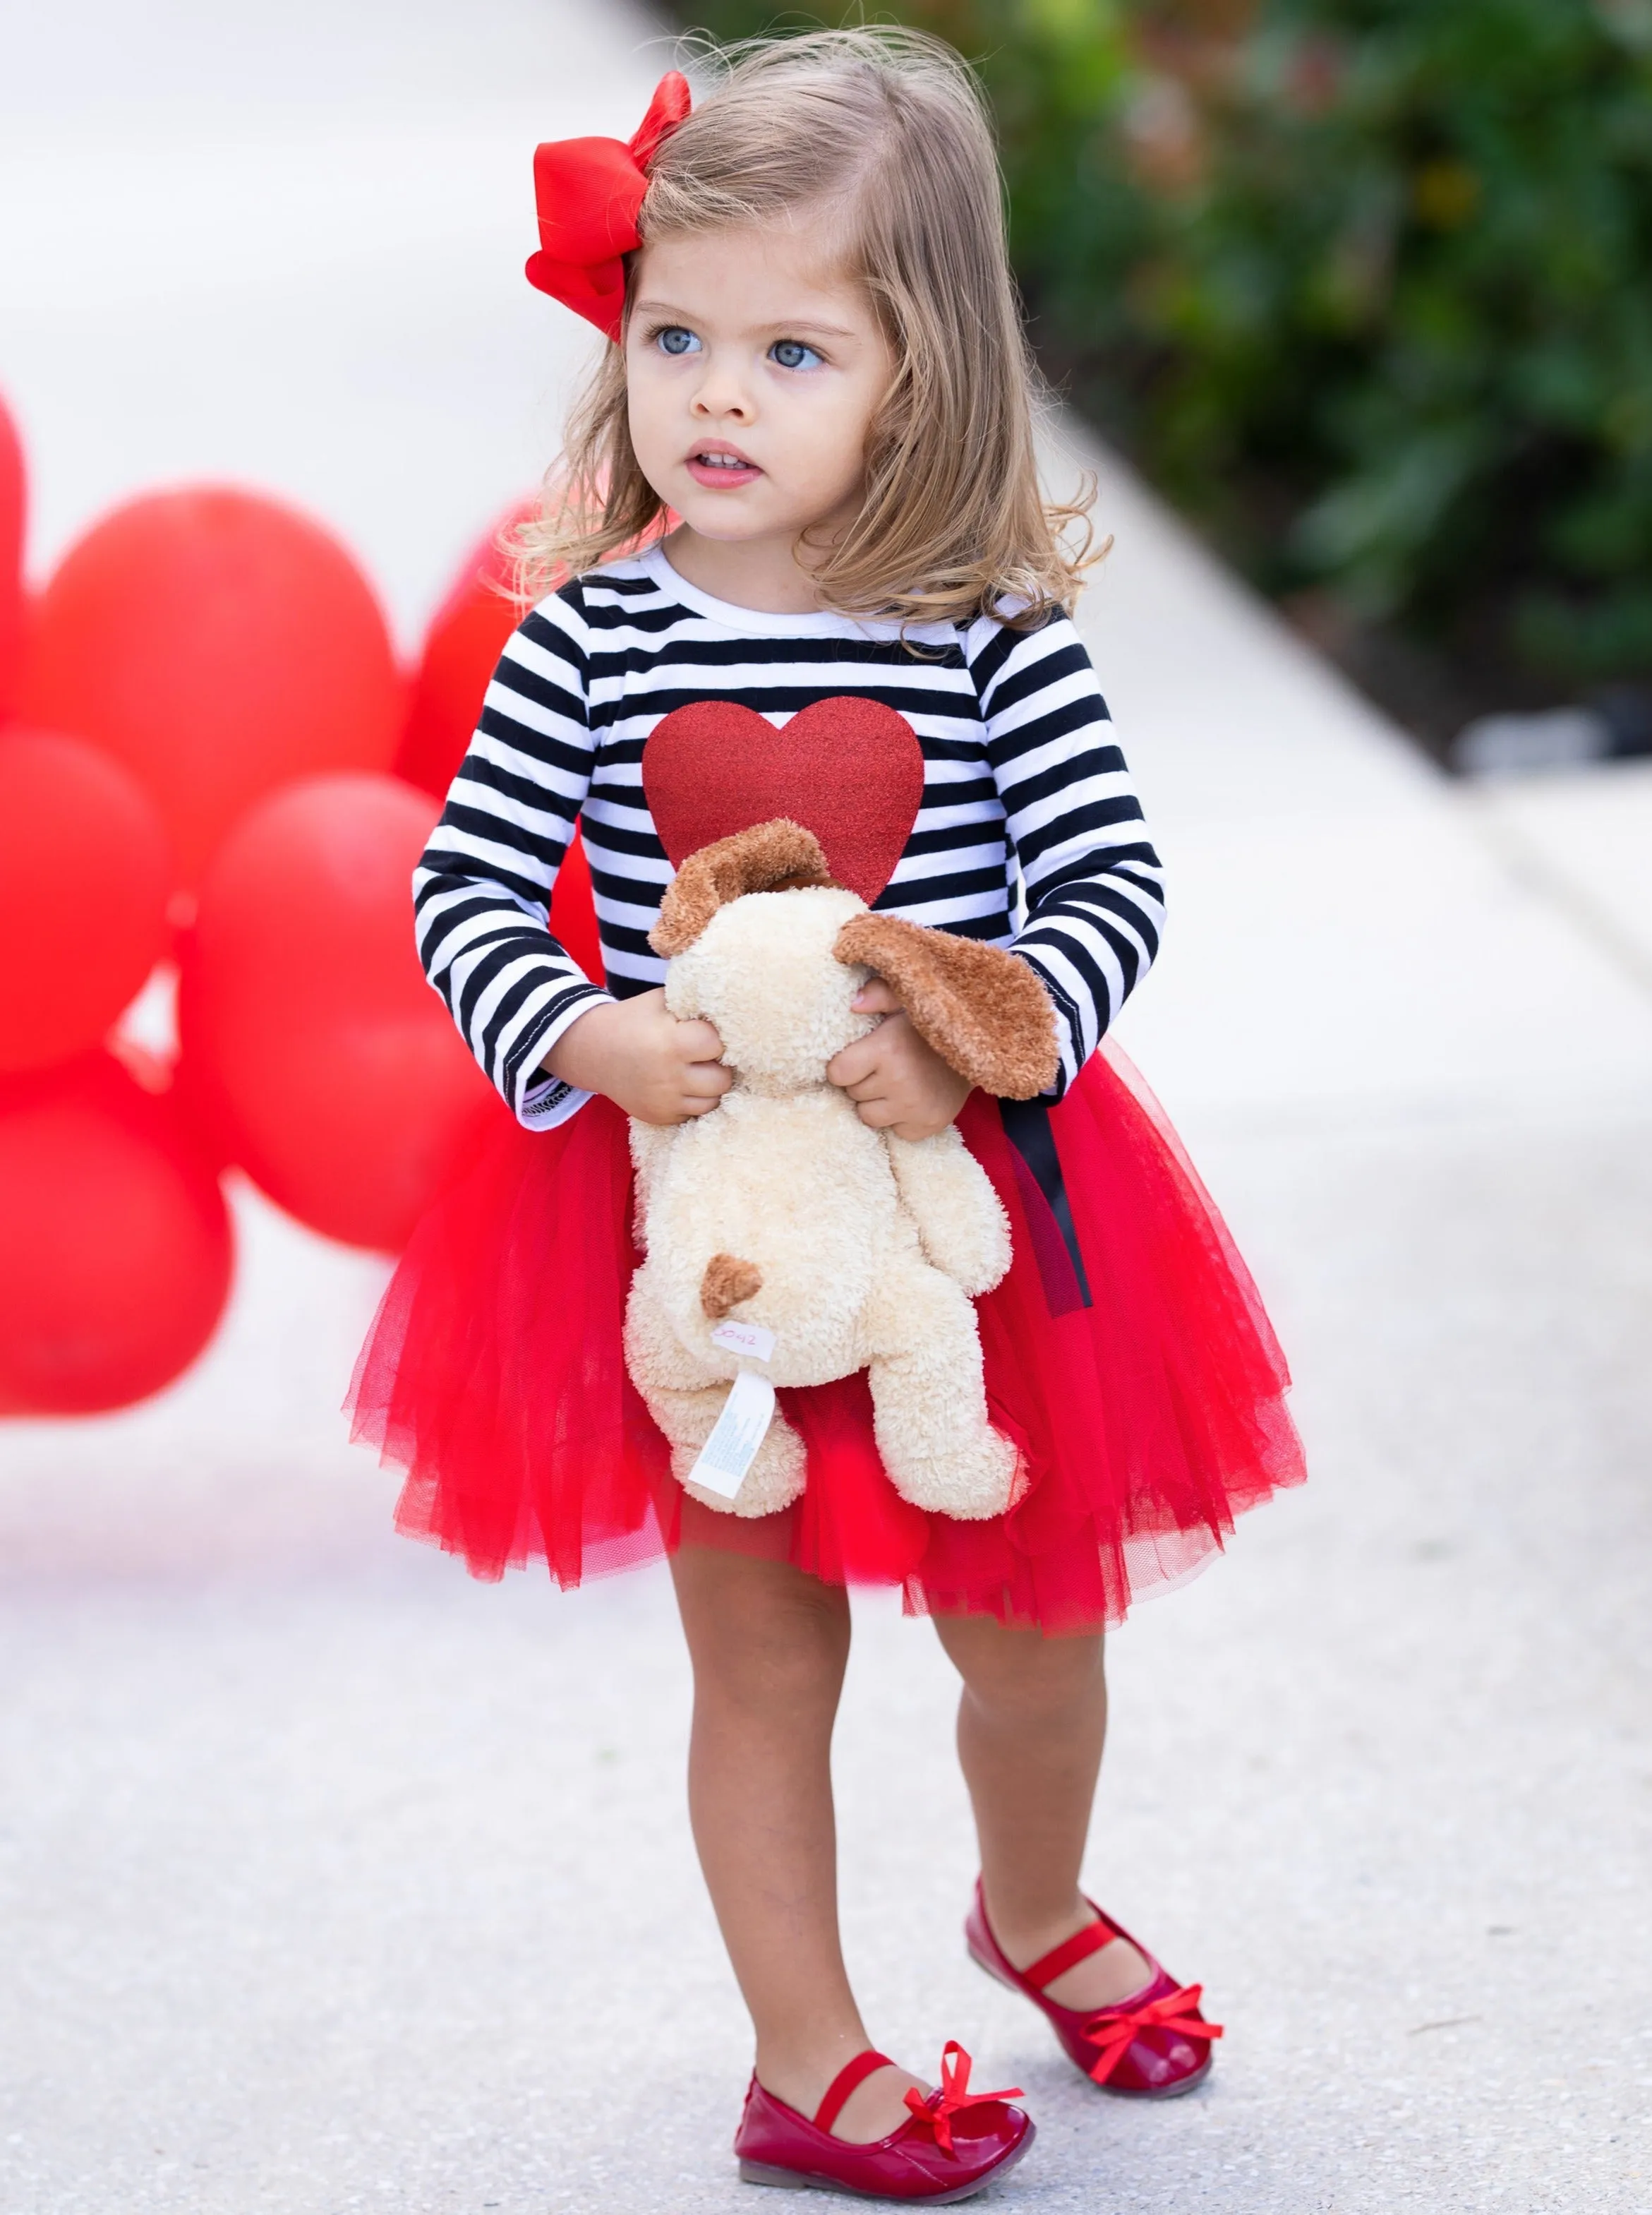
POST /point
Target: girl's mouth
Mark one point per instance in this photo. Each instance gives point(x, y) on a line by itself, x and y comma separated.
point(723, 467)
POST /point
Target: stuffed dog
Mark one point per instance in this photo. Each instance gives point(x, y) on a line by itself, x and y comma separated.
point(780, 1208)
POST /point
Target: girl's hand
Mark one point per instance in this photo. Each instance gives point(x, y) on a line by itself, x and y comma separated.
point(656, 1068)
point(897, 1080)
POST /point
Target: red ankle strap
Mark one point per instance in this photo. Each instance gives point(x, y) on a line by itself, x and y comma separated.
point(1071, 1951)
point(847, 2079)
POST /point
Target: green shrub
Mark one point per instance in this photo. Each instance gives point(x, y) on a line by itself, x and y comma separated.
point(1366, 285)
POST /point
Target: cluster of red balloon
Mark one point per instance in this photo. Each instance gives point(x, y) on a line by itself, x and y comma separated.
point(208, 754)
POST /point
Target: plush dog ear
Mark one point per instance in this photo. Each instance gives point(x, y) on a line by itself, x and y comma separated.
point(770, 858)
point(985, 1013)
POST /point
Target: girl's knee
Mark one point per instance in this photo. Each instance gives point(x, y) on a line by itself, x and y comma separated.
point(1021, 1676)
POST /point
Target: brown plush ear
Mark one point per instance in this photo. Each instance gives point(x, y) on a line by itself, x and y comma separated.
point(985, 1013)
point(770, 858)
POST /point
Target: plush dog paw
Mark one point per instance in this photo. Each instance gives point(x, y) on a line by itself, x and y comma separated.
point(961, 1225)
point(974, 1481)
point(774, 1481)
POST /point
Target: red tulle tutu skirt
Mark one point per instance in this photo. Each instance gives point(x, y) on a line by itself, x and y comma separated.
point(1149, 1418)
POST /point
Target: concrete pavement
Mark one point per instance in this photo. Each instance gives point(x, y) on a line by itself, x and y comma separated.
point(331, 1880)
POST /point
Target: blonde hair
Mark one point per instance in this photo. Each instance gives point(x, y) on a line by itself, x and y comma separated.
point(885, 128)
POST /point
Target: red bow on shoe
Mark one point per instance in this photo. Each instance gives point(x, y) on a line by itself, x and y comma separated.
point(953, 2096)
point(1115, 2030)
point(588, 193)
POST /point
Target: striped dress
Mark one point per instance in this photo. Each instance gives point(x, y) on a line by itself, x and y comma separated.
point(1125, 1351)
point(1028, 835)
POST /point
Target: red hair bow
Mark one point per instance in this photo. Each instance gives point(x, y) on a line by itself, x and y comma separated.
point(588, 193)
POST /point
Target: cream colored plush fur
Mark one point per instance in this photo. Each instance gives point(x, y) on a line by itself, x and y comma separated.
point(868, 1247)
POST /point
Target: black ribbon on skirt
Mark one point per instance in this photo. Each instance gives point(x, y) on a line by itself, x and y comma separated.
point(1026, 1126)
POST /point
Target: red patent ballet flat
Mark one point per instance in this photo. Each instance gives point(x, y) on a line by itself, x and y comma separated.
point(1150, 2046)
point(955, 2144)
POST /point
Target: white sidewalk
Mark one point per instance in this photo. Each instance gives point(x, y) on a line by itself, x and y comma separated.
point(332, 1881)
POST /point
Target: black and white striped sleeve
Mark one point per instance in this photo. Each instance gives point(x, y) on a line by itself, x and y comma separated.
point(1093, 882)
point(482, 888)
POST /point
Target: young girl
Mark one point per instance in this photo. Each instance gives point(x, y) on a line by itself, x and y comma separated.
point(819, 380)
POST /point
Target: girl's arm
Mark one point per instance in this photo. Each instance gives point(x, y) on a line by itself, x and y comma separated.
point(482, 889)
point(1095, 902)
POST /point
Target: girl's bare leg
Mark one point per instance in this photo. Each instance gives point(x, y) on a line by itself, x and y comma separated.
point(769, 1645)
point(1031, 1724)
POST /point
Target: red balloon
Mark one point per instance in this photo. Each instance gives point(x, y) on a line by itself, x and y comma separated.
point(14, 497)
point(465, 640)
point(85, 869)
point(115, 1249)
point(196, 1097)
point(462, 649)
point(219, 645)
point(334, 1070)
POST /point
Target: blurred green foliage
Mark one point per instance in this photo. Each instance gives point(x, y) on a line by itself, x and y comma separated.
point(1365, 284)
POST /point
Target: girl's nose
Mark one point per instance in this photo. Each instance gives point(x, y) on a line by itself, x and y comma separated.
point(721, 395)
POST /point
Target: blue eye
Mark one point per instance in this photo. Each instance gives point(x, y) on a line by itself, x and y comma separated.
point(791, 354)
point(674, 339)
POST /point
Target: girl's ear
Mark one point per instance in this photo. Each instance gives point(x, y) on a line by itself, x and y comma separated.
point(985, 1013)
point(770, 858)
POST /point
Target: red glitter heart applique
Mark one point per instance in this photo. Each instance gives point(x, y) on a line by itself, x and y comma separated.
point(851, 770)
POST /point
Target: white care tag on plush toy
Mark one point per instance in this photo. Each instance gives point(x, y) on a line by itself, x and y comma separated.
point(728, 1453)
point(748, 1338)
